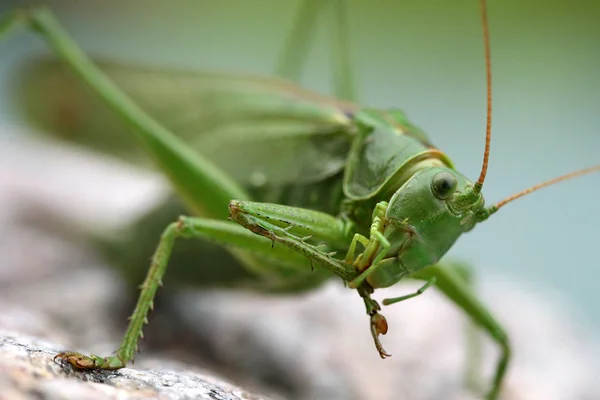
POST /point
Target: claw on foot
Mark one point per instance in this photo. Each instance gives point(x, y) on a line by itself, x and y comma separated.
point(83, 362)
point(379, 326)
point(77, 360)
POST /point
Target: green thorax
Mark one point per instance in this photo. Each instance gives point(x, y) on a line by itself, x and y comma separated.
point(386, 152)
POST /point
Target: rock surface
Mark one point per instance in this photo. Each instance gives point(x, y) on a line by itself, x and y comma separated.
point(27, 370)
point(56, 294)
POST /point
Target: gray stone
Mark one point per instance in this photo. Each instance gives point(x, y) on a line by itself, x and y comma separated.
point(28, 371)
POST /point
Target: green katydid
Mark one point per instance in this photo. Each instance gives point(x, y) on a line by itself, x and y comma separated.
point(370, 223)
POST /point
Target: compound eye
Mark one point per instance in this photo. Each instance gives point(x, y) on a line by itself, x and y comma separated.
point(443, 185)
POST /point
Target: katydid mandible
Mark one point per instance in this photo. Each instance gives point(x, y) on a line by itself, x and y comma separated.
point(393, 219)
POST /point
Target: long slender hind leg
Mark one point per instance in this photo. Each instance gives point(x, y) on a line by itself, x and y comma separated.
point(205, 188)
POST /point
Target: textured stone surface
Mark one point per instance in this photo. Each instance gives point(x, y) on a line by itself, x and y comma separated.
point(56, 294)
point(27, 370)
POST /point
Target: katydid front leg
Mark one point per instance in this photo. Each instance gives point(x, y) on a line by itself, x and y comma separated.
point(376, 247)
point(285, 224)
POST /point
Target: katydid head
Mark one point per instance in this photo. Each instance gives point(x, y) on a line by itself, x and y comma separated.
point(423, 219)
point(433, 208)
point(436, 193)
point(429, 212)
point(437, 204)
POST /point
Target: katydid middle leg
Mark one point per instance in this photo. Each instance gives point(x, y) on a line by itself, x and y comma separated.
point(221, 232)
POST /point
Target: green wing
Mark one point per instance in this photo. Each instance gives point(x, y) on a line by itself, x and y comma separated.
point(256, 129)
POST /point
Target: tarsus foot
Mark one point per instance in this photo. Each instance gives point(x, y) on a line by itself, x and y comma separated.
point(92, 362)
point(379, 326)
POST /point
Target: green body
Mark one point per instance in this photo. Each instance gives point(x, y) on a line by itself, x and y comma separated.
point(284, 179)
point(313, 152)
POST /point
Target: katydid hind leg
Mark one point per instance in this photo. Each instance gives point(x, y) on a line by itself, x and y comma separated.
point(204, 187)
point(453, 283)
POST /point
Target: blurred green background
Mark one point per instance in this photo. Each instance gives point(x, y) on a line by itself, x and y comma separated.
point(425, 57)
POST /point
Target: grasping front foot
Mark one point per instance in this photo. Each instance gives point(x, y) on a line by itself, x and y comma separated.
point(379, 325)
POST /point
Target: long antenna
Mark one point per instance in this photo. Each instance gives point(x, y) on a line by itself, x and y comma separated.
point(488, 135)
point(488, 68)
point(570, 175)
